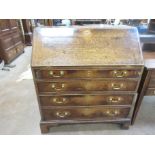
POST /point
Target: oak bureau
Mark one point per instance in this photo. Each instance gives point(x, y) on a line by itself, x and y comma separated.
point(86, 74)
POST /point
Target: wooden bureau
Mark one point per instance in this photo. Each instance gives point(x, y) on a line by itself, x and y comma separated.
point(86, 74)
point(11, 45)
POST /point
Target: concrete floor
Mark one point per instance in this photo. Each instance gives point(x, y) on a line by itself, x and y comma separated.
point(19, 113)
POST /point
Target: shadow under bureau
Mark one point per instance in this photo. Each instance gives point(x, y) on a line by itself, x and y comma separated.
point(87, 74)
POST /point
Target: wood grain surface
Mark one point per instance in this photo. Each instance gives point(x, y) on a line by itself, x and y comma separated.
point(86, 46)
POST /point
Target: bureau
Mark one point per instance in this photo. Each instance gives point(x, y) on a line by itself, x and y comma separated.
point(11, 45)
point(87, 74)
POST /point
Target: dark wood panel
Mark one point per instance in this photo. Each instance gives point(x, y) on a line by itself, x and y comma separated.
point(27, 27)
point(10, 55)
point(19, 48)
point(9, 39)
point(13, 24)
point(17, 38)
point(88, 85)
point(85, 113)
point(152, 83)
point(150, 92)
point(6, 43)
point(85, 100)
point(115, 73)
point(4, 25)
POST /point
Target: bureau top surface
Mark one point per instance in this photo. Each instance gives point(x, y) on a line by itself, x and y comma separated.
point(86, 46)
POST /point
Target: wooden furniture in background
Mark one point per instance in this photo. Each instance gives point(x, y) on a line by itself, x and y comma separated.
point(149, 44)
point(147, 84)
point(48, 22)
point(45, 22)
point(11, 44)
point(27, 31)
point(86, 21)
point(86, 74)
point(151, 26)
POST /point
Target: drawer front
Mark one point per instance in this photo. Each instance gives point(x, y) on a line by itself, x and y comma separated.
point(86, 100)
point(150, 92)
point(85, 113)
point(19, 48)
point(10, 55)
point(5, 25)
point(17, 38)
point(51, 74)
point(152, 83)
point(88, 85)
point(6, 43)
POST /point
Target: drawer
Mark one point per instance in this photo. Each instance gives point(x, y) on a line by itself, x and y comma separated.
point(51, 74)
point(17, 38)
point(85, 100)
point(88, 85)
point(20, 48)
point(150, 92)
point(85, 113)
point(152, 83)
point(10, 55)
point(6, 43)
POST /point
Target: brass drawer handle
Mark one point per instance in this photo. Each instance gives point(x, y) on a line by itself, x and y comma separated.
point(117, 86)
point(114, 99)
point(112, 112)
point(120, 74)
point(89, 73)
point(61, 73)
point(56, 87)
point(62, 114)
point(59, 101)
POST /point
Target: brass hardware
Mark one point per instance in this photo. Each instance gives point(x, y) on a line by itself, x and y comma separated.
point(59, 101)
point(62, 114)
point(117, 86)
point(114, 99)
point(112, 113)
point(54, 86)
point(38, 74)
point(50, 72)
point(61, 73)
point(120, 74)
point(89, 72)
